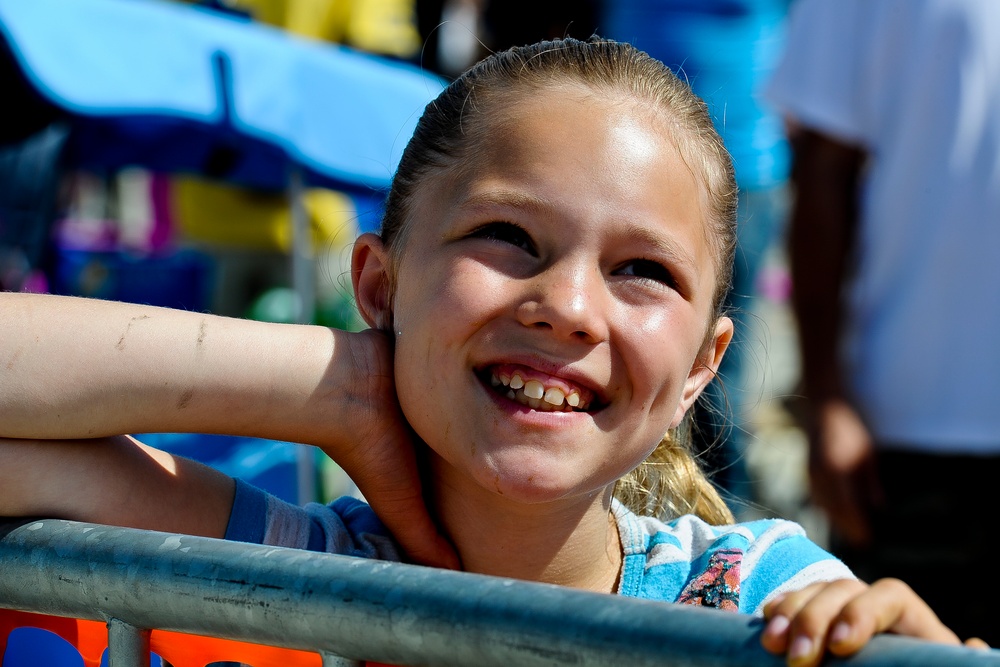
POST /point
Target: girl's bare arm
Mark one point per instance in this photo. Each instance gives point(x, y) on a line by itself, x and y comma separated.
point(81, 368)
point(116, 481)
point(86, 368)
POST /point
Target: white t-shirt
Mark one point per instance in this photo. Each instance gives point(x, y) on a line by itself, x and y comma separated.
point(916, 83)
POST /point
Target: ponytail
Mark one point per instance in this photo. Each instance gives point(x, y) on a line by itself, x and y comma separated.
point(670, 483)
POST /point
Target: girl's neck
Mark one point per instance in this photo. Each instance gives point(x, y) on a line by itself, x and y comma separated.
point(571, 543)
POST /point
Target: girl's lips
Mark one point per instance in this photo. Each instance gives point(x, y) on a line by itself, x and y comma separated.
point(537, 390)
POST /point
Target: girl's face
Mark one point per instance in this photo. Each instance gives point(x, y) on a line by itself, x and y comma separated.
point(553, 299)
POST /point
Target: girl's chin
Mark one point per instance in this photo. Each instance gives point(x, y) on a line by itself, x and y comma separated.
point(527, 473)
point(533, 486)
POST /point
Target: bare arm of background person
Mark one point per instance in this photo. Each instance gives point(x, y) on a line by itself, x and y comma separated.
point(822, 234)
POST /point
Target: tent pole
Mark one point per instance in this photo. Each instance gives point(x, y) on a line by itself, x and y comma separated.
point(303, 261)
point(304, 284)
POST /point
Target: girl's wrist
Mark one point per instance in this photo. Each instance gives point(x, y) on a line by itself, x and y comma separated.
point(262, 379)
point(353, 399)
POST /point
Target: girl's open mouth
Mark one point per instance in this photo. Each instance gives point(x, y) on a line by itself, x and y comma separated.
point(536, 393)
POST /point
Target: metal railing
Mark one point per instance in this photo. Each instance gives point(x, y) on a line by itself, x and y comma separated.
point(350, 609)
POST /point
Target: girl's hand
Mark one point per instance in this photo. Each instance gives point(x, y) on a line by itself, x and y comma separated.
point(841, 616)
point(381, 454)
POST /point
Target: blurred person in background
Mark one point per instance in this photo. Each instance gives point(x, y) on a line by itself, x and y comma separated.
point(457, 33)
point(518, 22)
point(31, 144)
point(894, 110)
point(29, 195)
point(726, 50)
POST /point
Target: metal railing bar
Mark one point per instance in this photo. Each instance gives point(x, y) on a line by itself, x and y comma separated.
point(128, 646)
point(331, 660)
point(372, 610)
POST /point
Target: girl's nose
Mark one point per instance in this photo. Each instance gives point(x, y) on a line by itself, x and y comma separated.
point(569, 300)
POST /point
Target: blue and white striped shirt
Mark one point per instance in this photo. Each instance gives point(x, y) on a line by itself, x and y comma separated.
point(737, 567)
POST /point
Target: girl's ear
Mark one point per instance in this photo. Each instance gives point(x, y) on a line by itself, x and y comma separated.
point(370, 278)
point(705, 367)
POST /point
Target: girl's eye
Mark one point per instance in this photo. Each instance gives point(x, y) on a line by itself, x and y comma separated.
point(505, 232)
point(650, 270)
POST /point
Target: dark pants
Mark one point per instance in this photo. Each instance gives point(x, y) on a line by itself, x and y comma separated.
point(937, 531)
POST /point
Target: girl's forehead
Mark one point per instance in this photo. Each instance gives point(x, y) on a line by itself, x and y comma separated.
point(570, 156)
point(573, 117)
point(599, 100)
point(560, 135)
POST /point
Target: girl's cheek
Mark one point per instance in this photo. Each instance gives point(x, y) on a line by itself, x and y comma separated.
point(651, 325)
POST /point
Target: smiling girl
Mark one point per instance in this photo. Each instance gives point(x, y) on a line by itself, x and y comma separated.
point(545, 301)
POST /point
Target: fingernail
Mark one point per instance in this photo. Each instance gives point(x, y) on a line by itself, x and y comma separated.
point(841, 633)
point(777, 625)
point(801, 647)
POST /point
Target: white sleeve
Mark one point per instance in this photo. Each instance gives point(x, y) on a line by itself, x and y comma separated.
point(822, 70)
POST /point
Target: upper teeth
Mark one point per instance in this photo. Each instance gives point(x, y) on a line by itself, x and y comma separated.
point(534, 394)
point(533, 389)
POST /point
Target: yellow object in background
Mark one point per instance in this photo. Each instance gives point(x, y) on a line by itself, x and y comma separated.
point(248, 233)
point(213, 213)
point(386, 27)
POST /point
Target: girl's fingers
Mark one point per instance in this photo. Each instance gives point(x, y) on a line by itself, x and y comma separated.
point(888, 605)
point(392, 486)
point(788, 604)
point(411, 525)
point(800, 622)
point(844, 615)
point(779, 613)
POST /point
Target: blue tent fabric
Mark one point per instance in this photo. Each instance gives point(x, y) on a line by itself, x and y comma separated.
point(178, 88)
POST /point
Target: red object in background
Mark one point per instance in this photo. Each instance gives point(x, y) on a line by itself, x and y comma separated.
point(90, 638)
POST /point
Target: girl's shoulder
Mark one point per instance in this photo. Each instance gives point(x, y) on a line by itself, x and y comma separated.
point(736, 567)
point(346, 526)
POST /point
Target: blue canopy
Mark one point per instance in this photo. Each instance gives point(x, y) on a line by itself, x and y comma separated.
point(177, 88)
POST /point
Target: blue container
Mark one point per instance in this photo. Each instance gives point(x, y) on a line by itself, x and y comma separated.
point(268, 464)
point(176, 280)
point(32, 647)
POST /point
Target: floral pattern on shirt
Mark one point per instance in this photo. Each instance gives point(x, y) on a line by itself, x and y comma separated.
point(718, 585)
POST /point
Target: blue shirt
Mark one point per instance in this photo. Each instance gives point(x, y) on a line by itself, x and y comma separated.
point(737, 567)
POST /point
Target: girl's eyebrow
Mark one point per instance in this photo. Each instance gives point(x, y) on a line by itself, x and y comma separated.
point(504, 199)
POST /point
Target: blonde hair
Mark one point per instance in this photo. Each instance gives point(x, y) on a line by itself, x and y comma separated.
point(670, 481)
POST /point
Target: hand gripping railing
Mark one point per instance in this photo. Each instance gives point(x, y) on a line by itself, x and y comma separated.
point(371, 610)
